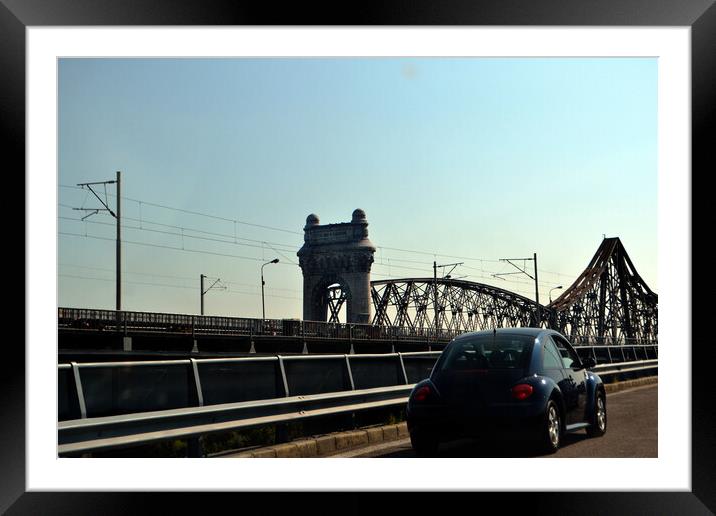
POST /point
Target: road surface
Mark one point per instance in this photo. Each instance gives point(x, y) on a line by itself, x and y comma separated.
point(631, 432)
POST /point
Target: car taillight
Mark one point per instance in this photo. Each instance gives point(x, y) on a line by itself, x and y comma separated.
point(522, 391)
point(422, 393)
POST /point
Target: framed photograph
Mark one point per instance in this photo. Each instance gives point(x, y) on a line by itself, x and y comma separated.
point(49, 47)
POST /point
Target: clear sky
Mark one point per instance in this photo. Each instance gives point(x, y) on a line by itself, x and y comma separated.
point(480, 158)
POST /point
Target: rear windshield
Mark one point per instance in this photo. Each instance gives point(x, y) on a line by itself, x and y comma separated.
point(488, 352)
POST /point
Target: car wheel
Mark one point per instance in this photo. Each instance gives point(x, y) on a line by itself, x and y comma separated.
point(599, 419)
point(425, 444)
point(551, 428)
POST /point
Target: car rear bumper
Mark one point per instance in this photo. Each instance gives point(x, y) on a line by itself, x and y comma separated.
point(495, 422)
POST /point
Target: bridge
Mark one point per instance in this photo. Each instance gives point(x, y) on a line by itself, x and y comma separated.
point(608, 304)
point(321, 368)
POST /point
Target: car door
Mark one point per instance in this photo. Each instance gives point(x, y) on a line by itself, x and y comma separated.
point(577, 376)
point(553, 367)
point(551, 363)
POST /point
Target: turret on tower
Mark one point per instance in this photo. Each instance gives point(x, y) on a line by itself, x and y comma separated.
point(336, 254)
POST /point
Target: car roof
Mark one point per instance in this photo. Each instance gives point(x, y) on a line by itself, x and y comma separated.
point(532, 332)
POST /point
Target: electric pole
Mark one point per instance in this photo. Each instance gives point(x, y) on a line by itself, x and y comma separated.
point(538, 308)
point(117, 216)
point(119, 241)
point(435, 284)
point(201, 289)
point(435, 298)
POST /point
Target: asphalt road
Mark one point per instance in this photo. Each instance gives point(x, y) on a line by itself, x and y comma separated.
point(631, 432)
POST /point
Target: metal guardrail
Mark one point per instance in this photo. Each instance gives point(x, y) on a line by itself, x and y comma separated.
point(93, 433)
point(86, 435)
point(98, 389)
point(128, 322)
point(639, 366)
point(109, 388)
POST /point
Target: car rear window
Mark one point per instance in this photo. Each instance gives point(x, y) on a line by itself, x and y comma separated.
point(498, 351)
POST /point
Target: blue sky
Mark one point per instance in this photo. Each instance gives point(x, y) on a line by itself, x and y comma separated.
point(483, 158)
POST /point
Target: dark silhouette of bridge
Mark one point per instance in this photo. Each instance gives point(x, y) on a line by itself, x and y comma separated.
point(609, 303)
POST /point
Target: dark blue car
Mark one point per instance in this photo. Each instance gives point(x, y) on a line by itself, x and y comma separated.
point(523, 383)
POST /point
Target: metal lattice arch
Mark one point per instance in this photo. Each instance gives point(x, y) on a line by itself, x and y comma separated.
point(460, 306)
point(609, 302)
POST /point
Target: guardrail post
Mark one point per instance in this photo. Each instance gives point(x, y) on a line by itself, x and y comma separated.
point(350, 418)
point(194, 444)
point(402, 366)
point(78, 389)
point(304, 351)
point(350, 338)
point(350, 373)
point(80, 396)
point(282, 428)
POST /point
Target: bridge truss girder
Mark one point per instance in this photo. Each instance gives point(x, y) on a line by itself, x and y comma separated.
point(459, 306)
point(609, 302)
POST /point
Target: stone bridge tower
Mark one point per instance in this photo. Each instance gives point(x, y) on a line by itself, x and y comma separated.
point(336, 254)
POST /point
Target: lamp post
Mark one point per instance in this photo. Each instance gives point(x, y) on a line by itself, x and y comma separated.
point(263, 305)
point(550, 293)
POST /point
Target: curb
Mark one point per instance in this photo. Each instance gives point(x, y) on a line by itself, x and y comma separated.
point(326, 445)
point(628, 384)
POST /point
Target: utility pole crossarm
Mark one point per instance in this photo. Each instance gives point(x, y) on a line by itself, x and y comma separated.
point(523, 271)
point(106, 207)
point(117, 215)
point(538, 309)
point(212, 285)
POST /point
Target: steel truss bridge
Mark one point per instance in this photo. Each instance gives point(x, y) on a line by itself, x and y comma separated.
point(609, 303)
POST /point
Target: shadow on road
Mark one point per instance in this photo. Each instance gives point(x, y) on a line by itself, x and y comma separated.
point(471, 448)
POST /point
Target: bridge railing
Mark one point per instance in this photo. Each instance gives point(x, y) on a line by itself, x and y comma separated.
point(131, 322)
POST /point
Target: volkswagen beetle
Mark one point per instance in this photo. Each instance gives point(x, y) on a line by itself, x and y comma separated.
point(518, 383)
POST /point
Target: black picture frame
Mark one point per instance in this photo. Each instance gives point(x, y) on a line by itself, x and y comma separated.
point(700, 15)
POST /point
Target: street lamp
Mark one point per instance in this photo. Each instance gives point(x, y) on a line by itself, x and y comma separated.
point(263, 305)
point(550, 293)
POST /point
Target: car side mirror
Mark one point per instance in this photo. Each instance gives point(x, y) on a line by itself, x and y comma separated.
point(588, 362)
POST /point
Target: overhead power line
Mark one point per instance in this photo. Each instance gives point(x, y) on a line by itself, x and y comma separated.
point(274, 245)
point(438, 254)
point(170, 276)
point(200, 214)
point(146, 244)
point(146, 283)
point(170, 233)
point(401, 267)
